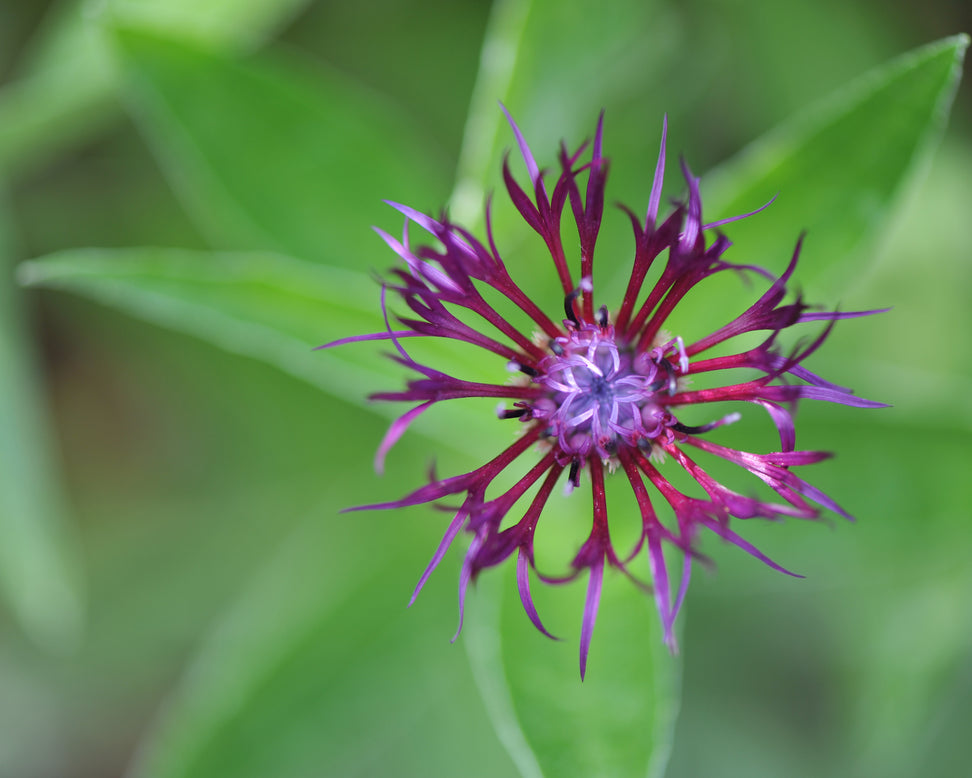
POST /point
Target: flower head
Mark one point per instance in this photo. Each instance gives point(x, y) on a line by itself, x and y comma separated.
point(602, 388)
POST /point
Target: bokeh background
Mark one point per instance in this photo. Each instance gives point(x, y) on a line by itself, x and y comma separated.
point(183, 597)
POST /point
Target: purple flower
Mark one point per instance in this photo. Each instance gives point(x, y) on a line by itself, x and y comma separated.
point(601, 389)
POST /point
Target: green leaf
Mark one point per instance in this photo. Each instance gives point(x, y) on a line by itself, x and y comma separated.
point(68, 85)
point(839, 167)
point(319, 669)
point(210, 21)
point(857, 668)
point(65, 92)
point(266, 153)
point(554, 65)
point(618, 722)
point(40, 571)
point(267, 306)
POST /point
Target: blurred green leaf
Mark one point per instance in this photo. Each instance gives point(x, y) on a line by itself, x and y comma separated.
point(67, 83)
point(267, 306)
point(210, 21)
point(321, 670)
point(851, 670)
point(931, 386)
point(40, 571)
point(619, 721)
point(266, 153)
point(839, 166)
point(532, 49)
point(65, 92)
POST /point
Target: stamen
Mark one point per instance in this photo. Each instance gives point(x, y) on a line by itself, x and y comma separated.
point(569, 306)
point(672, 378)
point(602, 316)
point(689, 430)
point(573, 477)
point(683, 362)
point(518, 367)
point(656, 385)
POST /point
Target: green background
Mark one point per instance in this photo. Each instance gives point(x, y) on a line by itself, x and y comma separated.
point(181, 596)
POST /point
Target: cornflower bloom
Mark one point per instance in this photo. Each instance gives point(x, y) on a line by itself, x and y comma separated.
point(601, 389)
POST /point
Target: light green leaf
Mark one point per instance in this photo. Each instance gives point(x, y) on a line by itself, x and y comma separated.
point(878, 635)
point(554, 65)
point(65, 92)
point(267, 306)
point(211, 21)
point(40, 572)
point(67, 85)
point(320, 669)
point(268, 154)
point(839, 167)
point(618, 722)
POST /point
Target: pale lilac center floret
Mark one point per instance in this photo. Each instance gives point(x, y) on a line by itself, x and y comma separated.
point(600, 394)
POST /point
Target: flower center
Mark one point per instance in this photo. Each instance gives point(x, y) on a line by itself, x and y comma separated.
point(599, 393)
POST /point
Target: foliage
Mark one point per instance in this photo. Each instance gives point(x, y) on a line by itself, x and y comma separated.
point(189, 192)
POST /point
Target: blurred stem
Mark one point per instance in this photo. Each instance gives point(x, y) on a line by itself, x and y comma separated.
point(39, 560)
point(501, 46)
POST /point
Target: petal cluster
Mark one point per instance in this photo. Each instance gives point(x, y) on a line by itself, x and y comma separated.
point(601, 389)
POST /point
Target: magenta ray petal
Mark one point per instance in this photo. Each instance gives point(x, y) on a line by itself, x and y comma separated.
point(371, 336)
point(531, 163)
point(440, 388)
point(693, 222)
point(421, 269)
point(830, 315)
point(591, 605)
point(474, 481)
point(395, 431)
point(584, 388)
point(464, 577)
point(659, 574)
point(523, 585)
point(772, 469)
point(762, 315)
point(730, 219)
point(726, 533)
point(682, 590)
point(497, 545)
point(736, 504)
point(783, 420)
point(836, 396)
point(656, 184)
point(440, 552)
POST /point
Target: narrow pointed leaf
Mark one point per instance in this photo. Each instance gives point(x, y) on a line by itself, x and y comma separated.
point(839, 167)
point(266, 153)
point(267, 306)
